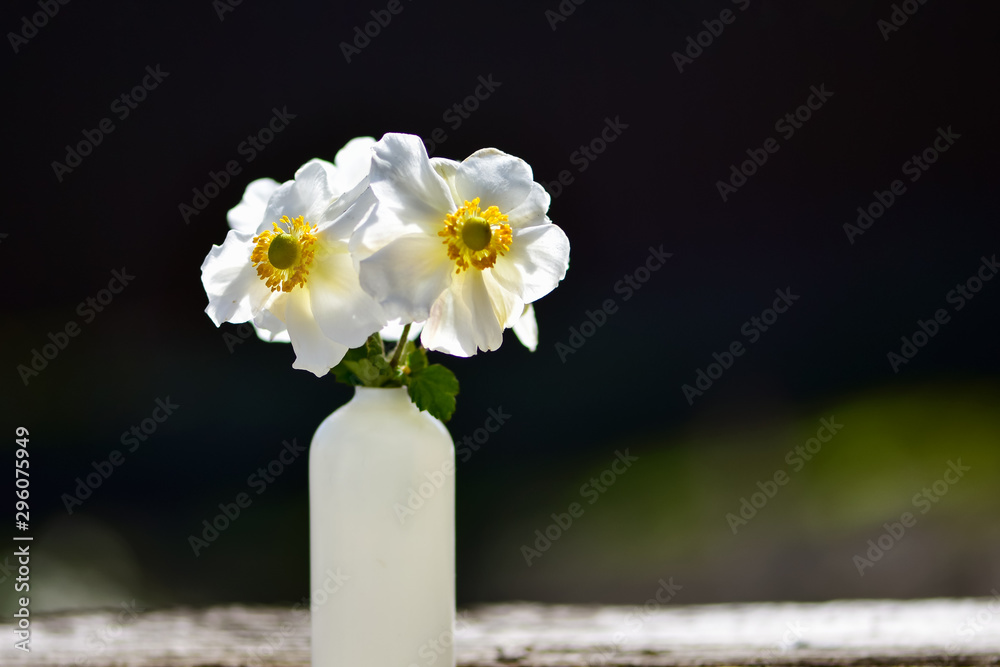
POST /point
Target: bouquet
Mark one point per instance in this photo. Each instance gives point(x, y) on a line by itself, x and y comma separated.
point(383, 243)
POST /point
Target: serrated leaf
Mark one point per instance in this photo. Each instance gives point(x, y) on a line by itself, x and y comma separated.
point(433, 388)
point(417, 360)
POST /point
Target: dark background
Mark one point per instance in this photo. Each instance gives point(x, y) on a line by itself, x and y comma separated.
point(655, 184)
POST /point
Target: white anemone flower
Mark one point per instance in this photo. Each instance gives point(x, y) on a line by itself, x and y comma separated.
point(286, 266)
point(350, 167)
point(466, 246)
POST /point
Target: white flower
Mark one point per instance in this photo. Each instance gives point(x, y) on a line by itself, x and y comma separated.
point(526, 328)
point(464, 245)
point(350, 167)
point(286, 266)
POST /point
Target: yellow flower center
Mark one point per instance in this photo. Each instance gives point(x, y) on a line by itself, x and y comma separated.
point(283, 255)
point(475, 237)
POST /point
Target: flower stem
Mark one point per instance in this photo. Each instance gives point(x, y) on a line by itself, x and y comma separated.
point(398, 352)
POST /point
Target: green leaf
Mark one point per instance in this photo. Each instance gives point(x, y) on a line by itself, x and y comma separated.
point(417, 360)
point(364, 370)
point(345, 370)
point(367, 366)
point(433, 388)
point(374, 347)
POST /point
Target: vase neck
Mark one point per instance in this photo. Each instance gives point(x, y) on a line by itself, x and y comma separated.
point(383, 396)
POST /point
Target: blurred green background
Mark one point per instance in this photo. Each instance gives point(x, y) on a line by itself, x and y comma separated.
point(664, 517)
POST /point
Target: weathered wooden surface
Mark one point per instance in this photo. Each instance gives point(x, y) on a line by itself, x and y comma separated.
point(923, 632)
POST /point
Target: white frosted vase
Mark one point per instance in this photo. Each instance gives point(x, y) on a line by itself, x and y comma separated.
point(382, 535)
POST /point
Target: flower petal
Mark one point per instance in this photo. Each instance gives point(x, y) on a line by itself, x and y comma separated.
point(447, 169)
point(406, 184)
point(449, 328)
point(314, 352)
point(526, 328)
point(537, 260)
point(270, 329)
point(486, 327)
point(247, 215)
point(464, 320)
point(498, 179)
point(468, 317)
point(507, 306)
point(352, 164)
point(230, 281)
point(347, 213)
point(345, 313)
point(378, 229)
point(532, 210)
point(308, 195)
point(407, 276)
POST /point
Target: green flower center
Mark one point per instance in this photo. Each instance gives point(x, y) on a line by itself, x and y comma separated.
point(476, 233)
point(283, 251)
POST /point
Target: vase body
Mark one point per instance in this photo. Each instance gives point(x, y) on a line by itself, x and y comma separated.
point(382, 535)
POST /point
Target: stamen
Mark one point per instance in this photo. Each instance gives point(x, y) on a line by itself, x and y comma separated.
point(476, 238)
point(283, 255)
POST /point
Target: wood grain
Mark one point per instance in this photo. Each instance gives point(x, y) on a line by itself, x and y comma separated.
point(860, 632)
